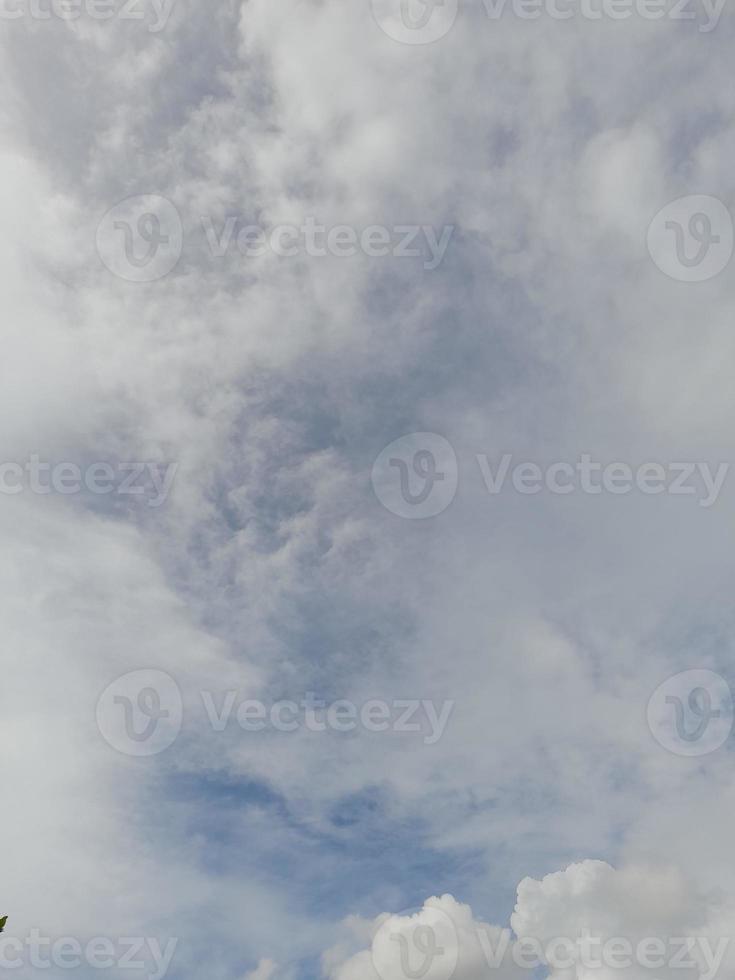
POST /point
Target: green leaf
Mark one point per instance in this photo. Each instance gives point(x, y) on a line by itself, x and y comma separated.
point(3, 920)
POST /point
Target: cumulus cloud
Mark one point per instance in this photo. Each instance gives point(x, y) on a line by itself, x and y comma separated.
point(273, 383)
point(640, 918)
point(265, 970)
point(588, 920)
point(441, 939)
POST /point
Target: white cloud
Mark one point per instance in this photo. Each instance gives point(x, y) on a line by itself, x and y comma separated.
point(265, 970)
point(274, 384)
point(634, 922)
point(441, 939)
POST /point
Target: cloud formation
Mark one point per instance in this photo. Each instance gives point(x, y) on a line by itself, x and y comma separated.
point(274, 383)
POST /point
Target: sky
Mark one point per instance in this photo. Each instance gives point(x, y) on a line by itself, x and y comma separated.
point(365, 442)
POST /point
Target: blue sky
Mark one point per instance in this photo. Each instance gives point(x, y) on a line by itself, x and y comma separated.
point(524, 255)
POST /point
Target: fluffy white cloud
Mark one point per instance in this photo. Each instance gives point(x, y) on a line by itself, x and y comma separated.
point(274, 383)
point(642, 920)
point(585, 921)
point(441, 939)
point(265, 970)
